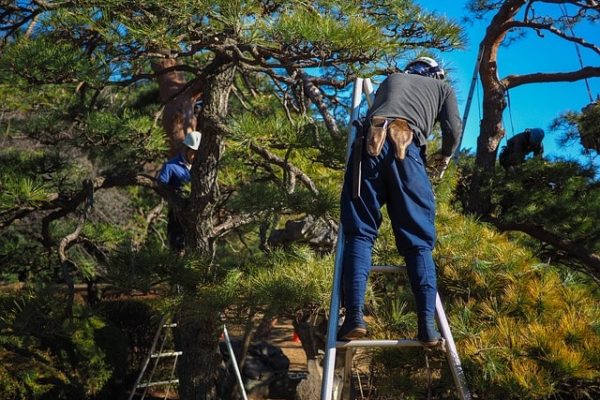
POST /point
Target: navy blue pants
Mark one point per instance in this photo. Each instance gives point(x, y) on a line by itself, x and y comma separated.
point(175, 232)
point(405, 188)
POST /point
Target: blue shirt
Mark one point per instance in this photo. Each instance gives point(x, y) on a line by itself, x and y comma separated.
point(175, 172)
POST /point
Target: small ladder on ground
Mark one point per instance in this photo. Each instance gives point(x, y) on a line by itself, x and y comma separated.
point(156, 356)
point(343, 391)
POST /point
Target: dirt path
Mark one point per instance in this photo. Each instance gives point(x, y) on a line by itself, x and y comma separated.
point(281, 336)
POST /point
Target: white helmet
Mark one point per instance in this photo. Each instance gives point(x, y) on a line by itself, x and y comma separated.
point(425, 66)
point(192, 140)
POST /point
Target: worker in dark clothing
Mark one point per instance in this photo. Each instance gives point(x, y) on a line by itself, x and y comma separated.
point(518, 147)
point(393, 172)
point(175, 173)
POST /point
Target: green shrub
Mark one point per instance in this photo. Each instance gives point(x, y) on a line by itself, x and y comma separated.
point(48, 356)
point(522, 330)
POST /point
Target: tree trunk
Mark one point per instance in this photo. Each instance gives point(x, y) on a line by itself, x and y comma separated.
point(492, 128)
point(491, 131)
point(205, 189)
point(178, 99)
point(199, 321)
point(198, 366)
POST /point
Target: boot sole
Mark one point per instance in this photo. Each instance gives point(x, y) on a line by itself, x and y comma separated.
point(432, 344)
point(354, 334)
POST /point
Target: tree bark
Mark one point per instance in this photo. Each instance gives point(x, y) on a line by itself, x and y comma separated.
point(205, 189)
point(178, 99)
point(198, 366)
point(492, 128)
point(494, 103)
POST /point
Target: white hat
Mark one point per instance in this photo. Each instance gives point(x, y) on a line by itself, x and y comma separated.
point(192, 140)
point(425, 66)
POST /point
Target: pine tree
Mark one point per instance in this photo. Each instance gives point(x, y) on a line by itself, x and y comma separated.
point(81, 74)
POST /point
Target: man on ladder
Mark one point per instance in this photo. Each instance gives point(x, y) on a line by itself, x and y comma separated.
point(393, 172)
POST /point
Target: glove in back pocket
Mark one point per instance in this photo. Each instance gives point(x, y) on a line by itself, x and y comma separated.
point(376, 135)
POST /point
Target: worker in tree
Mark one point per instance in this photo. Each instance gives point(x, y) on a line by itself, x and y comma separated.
point(175, 173)
point(393, 172)
point(518, 147)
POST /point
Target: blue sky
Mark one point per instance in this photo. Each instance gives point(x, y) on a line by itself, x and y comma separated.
point(534, 105)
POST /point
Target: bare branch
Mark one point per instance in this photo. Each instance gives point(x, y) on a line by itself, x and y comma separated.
point(585, 4)
point(31, 26)
point(291, 169)
point(235, 222)
point(152, 215)
point(68, 240)
point(164, 71)
point(316, 96)
point(513, 81)
point(551, 28)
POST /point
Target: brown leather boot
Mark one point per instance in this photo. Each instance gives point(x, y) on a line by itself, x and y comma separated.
point(376, 135)
point(401, 136)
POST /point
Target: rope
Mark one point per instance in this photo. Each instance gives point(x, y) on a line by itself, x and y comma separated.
point(512, 125)
point(478, 99)
point(577, 50)
point(469, 99)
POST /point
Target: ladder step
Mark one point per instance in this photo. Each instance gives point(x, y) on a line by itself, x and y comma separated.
point(144, 385)
point(386, 268)
point(378, 343)
point(173, 325)
point(167, 354)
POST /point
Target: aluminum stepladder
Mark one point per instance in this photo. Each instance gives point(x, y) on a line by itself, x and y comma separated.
point(327, 389)
point(161, 335)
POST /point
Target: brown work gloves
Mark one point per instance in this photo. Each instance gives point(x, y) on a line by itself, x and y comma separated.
point(400, 135)
point(437, 164)
point(376, 135)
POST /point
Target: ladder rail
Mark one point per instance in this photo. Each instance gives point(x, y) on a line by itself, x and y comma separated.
point(147, 360)
point(469, 100)
point(171, 380)
point(167, 354)
point(330, 350)
point(234, 362)
point(156, 360)
point(368, 91)
point(460, 381)
point(347, 378)
point(363, 343)
point(158, 383)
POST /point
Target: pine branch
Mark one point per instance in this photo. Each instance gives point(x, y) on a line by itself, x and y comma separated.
point(586, 256)
point(291, 169)
point(152, 216)
point(63, 204)
point(67, 263)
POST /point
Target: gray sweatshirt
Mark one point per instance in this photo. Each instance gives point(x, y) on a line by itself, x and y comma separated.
point(421, 101)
